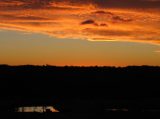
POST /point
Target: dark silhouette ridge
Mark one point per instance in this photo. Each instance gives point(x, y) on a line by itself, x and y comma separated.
point(80, 89)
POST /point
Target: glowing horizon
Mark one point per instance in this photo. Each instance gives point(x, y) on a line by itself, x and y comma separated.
point(80, 32)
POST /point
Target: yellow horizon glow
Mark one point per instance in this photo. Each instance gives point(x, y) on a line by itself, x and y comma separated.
point(80, 32)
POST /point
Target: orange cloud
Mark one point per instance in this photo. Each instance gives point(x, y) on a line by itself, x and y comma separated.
point(90, 19)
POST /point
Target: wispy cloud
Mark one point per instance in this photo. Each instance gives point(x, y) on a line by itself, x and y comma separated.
point(96, 20)
point(88, 22)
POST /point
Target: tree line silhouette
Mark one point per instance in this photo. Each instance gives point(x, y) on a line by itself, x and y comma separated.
point(73, 88)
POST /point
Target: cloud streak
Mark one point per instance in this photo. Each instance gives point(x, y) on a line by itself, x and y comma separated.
point(95, 20)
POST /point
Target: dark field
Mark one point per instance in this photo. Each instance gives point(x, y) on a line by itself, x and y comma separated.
point(79, 91)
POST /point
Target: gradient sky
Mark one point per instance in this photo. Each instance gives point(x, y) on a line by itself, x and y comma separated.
point(74, 32)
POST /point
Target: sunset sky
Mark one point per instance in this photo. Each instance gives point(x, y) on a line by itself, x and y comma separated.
point(80, 32)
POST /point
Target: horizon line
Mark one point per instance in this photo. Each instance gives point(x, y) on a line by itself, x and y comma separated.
point(45, 65)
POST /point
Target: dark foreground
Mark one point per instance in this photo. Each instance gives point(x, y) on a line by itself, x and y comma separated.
point(83, 116)
point(80, 91)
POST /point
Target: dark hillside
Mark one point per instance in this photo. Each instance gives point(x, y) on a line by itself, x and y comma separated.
point(73, 88)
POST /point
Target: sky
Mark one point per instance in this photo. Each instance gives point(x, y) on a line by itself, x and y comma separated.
point(80, 32)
